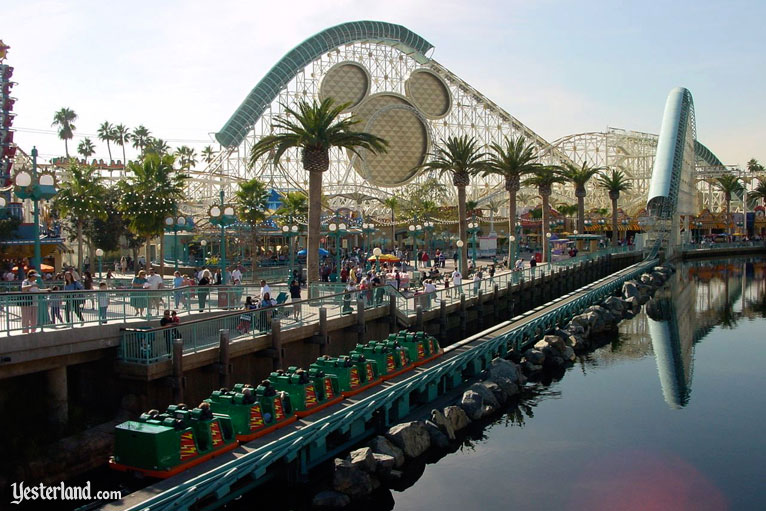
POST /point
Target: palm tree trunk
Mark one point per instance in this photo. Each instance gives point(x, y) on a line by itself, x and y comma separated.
point(79, 246)
point(614, 222)
point(511, 225)
point(148, 262)
point(312, 243)
point(580, 219)
point(544, 231)
point(124, 162)
point(728, 215)
point(462, 227)
point(253, 255)
point(393, 232)
point(109, 148)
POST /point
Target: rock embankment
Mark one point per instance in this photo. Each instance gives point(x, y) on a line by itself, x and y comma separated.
point(379, 463)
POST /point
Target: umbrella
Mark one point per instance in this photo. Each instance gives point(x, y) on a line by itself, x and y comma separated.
point(322, 252)
point(43, 267)
point(385, 257)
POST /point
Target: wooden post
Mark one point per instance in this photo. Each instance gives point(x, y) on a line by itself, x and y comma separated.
point(419, 317)
point(224, 367)
point(443, 321)
point(178, 370)
point(463, 321)
point(324, 338)
point(276, 344)
point(391, 314)
point(360, 326)
point(480, 309)
point(495, 296)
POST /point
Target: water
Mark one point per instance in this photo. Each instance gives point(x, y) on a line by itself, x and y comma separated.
point(670, 415)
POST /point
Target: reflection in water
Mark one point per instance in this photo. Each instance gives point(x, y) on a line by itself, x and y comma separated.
point(699, 297)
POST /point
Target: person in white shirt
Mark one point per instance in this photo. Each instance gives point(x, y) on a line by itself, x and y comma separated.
point(428, 289)
point(236, 275)
point(265, 289)
point(154, 282)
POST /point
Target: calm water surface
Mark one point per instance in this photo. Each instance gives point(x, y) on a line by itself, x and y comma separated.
point(670, 415)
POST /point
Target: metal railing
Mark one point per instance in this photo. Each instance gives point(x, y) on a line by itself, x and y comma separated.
point(47, 309)
point(728, 245)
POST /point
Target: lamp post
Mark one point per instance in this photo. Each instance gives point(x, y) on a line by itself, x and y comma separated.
point(414, 231)
point(203, 244)
point(337, 231)
point(460, 256)
point(376, 252)
point(367, 230)
point(36, 188)
point(550, 245)
point(223, 216)
point(473, 228)
point(175, 223)
point(290, 232)
point(428, 229)
point(99, 254)
point(512, 262)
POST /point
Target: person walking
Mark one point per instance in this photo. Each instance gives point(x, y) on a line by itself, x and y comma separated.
point(457, 282)
point(178, 282)
point(204, 289)
point(138, 299)
point(295, 296)
point(29, 302)
point(54, 302)
point(75, 300)
point(103, 302)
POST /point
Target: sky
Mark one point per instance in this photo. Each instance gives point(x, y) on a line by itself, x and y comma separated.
point(181, 68)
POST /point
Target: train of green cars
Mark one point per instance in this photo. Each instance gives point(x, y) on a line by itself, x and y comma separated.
point(164, 444)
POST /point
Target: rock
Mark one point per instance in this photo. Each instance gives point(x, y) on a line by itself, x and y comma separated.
point(501, 368)
point(633, 304)
point(396, 474)
point(486, 393)
point(438, 439)
point(568, 354)
point(555, 341)
point(445, 425)
point(363, 459)
point(384, 464)
point(629, 289)
point(660, 278)
point(330, 499)
point(382, 445)
point(531, 368)
point(510, 388)
point(472, 404)
point(457, 417)
point(498, 391)
point(410, 437)
point(535, 357)
point(579, 343)
point(352, 481)
point(615, 305)
point(574, 329)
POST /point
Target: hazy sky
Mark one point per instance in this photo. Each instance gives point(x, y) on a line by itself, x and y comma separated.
point(181, 68)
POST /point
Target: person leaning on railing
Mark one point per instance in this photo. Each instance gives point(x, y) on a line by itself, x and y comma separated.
point(74, 301)
point(29, 302)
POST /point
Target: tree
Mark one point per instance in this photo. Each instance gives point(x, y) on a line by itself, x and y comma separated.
point(460, 156)
point(544, 177)
point(759, 192)
point(80, 199)
point(151, 193)
point(392, 203)
point(579, 177)
point(754, 166)
point(252, 199)
point(729, 184)
point(141, 137)
point(615, 183)
point(512, 162)
point(86, 148)
point(294, 204)
point(568, 211)
point(64, 121)
point(187, 157)
point(208, 154)
point(423, 198)
point(106, 134)
point(156, 146)
point(120, 137)
point(313, 128)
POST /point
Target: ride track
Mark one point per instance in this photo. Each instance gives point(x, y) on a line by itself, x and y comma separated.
point(304, 444)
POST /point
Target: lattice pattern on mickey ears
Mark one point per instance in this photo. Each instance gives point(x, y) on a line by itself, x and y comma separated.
point(345, 82)
point(405, 132)
point(429, 93)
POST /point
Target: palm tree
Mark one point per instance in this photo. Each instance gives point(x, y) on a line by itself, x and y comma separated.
point(106, 134)
point(151, 193)
point(544, 177)
point(461, 157)
point(64, 121)
point(759, 192)
point(728, 184)
point(579, 177)
point(568, 211)
point(121, 136)
point(157, 146)
point(512, 161)
point(187, 157)
point(754, 166)
point(141, 137)
point(615, 182)
point(208, 154)
point(79, 199)
point(392, 203)
point(86, 148)
point(251, 199)
point(313, 129)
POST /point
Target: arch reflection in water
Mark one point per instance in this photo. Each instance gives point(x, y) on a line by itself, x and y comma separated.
point(698, 298)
